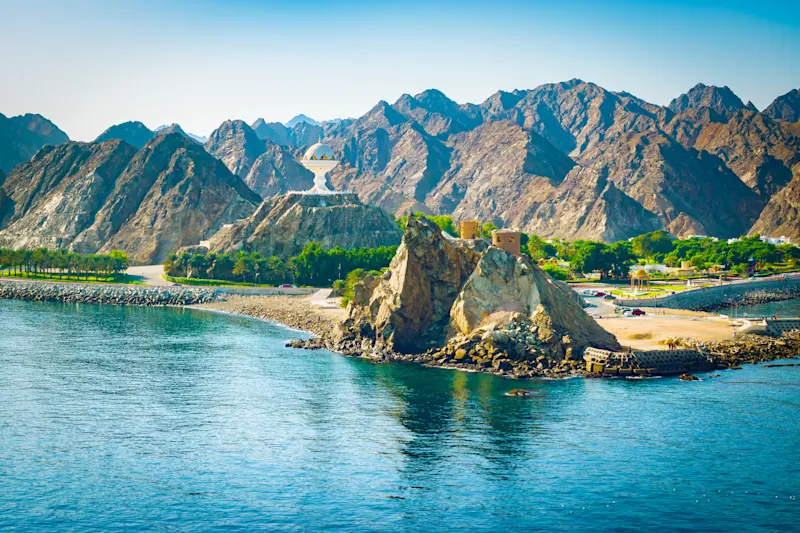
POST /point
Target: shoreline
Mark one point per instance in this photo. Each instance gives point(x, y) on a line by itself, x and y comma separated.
point(299, 314)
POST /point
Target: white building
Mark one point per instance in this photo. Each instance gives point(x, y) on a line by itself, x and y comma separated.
point(320, 160)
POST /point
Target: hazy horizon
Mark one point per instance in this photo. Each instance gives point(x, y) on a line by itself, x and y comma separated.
point(92, 65)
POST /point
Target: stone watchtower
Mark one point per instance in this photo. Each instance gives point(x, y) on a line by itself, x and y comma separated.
point(508, 240)
point(468, 229)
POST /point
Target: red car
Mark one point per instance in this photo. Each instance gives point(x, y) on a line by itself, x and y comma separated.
point(638, 312)
point(600, 294)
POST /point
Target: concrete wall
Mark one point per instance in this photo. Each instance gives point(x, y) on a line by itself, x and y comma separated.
point(712, 296)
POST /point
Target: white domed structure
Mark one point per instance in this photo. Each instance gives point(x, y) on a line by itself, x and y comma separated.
point(319, 152)
point(320, 159)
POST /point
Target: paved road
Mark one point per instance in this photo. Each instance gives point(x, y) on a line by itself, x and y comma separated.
point(150, 274)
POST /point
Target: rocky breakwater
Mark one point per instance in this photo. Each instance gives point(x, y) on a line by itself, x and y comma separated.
point(774, 294)
point(751, 349)
point(463, 304)
point(106, 294)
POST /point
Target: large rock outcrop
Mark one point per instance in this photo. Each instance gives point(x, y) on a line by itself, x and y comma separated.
point(504, 283)
point(407, 309)
point(438, 290)
point(283, 225)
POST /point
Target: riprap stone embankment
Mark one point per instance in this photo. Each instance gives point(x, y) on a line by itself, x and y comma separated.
point(106, 294)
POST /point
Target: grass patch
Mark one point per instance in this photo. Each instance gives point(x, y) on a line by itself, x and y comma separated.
point(214, 282)
point(640, 336)
point(123, 279)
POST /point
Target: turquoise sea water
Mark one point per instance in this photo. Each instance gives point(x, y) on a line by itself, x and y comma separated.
point(128, 419)
point(786, 309)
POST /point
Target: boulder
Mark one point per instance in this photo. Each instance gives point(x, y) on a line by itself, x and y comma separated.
point(502, 282)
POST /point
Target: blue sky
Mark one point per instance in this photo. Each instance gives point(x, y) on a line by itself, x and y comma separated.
point(88, 64)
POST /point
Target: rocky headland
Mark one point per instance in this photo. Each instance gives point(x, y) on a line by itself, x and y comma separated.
point(461, 304)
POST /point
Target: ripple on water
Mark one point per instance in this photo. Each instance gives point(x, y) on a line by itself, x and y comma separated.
point(120, 419)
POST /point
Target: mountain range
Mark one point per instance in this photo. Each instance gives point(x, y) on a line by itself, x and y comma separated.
point(569, 159)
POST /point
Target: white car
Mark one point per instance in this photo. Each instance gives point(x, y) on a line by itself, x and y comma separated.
point(589, 292)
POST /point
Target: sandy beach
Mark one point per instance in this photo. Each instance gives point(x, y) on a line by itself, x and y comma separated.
point(297, 312)
point(645, 332)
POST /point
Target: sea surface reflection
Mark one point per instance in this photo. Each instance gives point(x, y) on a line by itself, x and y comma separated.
point(120, 419)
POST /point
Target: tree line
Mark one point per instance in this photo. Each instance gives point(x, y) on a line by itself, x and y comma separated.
point(313, 266)
point(61, 263)
point(614, 260)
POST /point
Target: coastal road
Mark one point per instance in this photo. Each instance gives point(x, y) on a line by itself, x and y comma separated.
point(149, 274)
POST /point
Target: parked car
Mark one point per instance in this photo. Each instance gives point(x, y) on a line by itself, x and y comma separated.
point(288, 286)
point(609, 297)
point(638, 312)
point(589, 292)
point(599, 294)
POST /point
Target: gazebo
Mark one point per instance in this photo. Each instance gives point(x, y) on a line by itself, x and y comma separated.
point(639, 280)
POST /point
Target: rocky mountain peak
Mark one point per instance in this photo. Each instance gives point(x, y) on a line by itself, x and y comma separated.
point(294, 121)
point(41, 126)
point(23, 136)
point(133, 132)
point(785, 107)
point(175, 128)
point(720, 99)
point(237, 145)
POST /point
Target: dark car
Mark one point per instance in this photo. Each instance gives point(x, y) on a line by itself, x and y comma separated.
point(609, 297)
point(600, 294)
point(638, 312)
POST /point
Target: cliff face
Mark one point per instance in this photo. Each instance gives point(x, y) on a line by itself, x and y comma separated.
point(780, 216)
point(134, 133)
point(283, 225)
point(408, 308)
point(55, 196)
point(437, 290)
point(761, 151)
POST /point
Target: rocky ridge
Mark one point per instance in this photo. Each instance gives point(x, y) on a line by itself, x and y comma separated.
point(91, 197)
point(283, 225)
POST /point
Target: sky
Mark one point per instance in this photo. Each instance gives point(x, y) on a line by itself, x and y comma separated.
point(88, 64)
